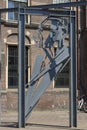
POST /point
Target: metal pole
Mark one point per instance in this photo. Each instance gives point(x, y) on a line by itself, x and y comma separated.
point(0, 67)
point(73, 87)
point(21, 60)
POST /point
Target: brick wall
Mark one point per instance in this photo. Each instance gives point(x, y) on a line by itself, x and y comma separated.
point(52, 100)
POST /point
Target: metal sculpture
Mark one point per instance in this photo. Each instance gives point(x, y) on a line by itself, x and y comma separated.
point(63, 24)
point(44, 73)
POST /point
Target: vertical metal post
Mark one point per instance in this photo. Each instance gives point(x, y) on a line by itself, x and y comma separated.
point(21, 60)
point(0, 67)
point(73, 87)
point(0, 46)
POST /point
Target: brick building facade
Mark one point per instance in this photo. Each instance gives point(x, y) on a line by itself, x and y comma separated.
point(54, 97)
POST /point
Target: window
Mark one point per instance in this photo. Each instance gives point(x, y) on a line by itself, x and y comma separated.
point(13, 66)
point(62, 80)
point(14, 4)
point(60, 1)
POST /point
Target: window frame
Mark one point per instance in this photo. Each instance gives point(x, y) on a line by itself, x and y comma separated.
point(60, 1)
point(64, 75)
point(13, 14)
point(27, 73)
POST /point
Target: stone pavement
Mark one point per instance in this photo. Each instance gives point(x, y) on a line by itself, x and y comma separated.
point(44, 120)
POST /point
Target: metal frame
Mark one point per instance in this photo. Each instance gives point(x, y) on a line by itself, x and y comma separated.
point(73, 113)
point(40, 10)
point(73, 86)
point(0, 66)
point(21, 69)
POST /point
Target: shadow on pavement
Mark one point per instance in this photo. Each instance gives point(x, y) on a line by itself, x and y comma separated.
point(15, 125)
point(51, 126)
point(9, 124)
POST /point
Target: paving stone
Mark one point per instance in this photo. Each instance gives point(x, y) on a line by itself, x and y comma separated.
point(44, 120)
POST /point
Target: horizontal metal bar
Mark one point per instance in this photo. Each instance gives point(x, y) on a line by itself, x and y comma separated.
point(3, 10)
point(33, 11)
point(48, 6)
point(63, 13)
point(60, 5)
point(40, 12)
